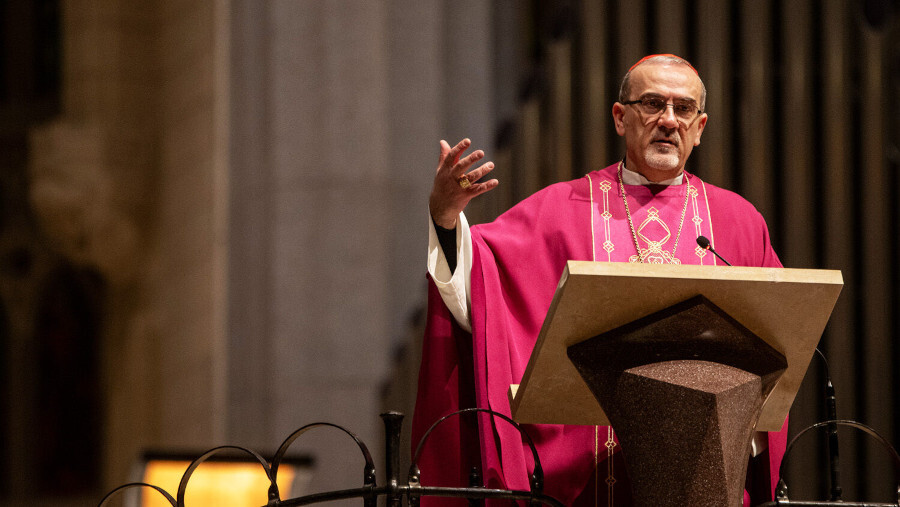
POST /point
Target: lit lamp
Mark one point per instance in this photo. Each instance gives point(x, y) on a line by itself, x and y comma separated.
point(232, 480)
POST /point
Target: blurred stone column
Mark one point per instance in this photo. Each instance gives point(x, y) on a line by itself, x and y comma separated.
point(91, 173)
point(336, 111)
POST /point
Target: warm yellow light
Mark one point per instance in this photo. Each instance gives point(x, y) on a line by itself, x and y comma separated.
point(215, 483)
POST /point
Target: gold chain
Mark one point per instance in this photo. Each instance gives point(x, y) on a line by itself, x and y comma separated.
point(637, 246)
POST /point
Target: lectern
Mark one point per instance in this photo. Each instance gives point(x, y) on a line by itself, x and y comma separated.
point(683, 361)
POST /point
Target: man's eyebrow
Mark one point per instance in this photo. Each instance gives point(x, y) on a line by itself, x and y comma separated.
point(653, 95)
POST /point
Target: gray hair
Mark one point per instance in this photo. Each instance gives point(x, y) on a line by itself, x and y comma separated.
point(625, 88)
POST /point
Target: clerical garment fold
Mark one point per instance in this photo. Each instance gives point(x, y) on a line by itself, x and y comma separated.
point(518, 260)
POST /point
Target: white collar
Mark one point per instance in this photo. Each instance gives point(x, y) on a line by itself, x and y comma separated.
point(630, 177)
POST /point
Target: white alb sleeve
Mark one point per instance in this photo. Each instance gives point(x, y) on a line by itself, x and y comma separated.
point(454, 287)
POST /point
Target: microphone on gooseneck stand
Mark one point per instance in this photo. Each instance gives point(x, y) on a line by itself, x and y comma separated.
point(704, 243)
point(831, 431)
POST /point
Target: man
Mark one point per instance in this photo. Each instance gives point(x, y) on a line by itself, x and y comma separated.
point(493, 283)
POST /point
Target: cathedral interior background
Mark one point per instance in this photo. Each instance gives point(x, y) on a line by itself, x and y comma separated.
point(212, 213)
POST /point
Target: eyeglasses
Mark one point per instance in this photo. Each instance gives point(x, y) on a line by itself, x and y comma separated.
point(684, 109)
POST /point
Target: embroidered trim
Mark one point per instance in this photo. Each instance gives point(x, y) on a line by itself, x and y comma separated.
point(596, 465)
point(594, 258)
point(608, 245)
point(653, 254)
point(610, 436)
point(611, 477)
point(606, 215)
point(698, 222)
point(593, 241)
point(712, 237)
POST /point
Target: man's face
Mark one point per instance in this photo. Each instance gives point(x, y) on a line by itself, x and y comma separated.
point(658, 145)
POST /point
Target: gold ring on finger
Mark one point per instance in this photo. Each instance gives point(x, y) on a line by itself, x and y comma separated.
point(464, 181)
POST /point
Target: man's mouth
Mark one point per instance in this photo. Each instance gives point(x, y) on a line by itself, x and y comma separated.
point(665, 141)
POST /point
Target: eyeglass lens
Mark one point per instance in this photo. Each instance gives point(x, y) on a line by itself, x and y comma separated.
point(684, 109)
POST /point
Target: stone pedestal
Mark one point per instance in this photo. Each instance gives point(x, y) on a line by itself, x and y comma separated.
point(685, 428)
point(683, 389)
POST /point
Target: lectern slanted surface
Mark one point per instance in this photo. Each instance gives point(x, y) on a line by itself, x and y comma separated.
point(788, 308)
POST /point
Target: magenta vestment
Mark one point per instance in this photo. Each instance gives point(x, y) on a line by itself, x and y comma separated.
point(518, 260)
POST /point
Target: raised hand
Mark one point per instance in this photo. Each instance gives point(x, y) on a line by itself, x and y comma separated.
point(454, 185)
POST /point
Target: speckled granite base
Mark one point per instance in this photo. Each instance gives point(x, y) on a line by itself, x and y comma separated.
point(683, 389)
point(685, 429)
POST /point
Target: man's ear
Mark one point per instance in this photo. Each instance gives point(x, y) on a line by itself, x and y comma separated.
point(618, 113)
point(701, 124)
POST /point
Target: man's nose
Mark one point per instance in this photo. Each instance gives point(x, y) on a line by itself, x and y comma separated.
point(667, 117)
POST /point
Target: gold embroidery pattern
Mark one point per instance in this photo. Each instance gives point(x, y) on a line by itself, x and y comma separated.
point(712, 236)
point(611, 477)
point(605, 186)
point(698, 222)
point(591, 209)
point(654, 253)
point(610, 444)
point(596, 465)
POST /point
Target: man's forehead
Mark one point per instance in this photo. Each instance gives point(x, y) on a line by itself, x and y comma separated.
point(664, 55)
point(665, 79)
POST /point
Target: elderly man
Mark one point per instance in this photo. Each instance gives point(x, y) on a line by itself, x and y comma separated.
point(493, 283)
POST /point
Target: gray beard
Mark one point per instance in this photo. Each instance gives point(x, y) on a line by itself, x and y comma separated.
point(661, 161)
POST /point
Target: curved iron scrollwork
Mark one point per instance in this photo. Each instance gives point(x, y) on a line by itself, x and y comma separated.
point(367, 491)
point(391, 490)
point(536, 481)
point(132, 485)
point(182, 486)
point(781, 497)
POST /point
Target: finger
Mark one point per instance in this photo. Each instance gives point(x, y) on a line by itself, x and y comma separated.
point(480, 188)
point(457, 150)
point(476, 174)
point(463, 165)
point(445, 149)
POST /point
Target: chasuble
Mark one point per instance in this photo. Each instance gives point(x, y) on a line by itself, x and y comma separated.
point(517, 263)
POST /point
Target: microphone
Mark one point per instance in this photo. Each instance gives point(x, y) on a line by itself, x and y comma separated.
point(834, 465)
point(704, 243)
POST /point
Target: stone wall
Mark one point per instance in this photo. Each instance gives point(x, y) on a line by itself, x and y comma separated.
point(250, 181)
point(128, 180)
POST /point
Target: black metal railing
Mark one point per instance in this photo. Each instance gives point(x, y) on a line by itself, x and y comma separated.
point(392, 490)
point(781, 492)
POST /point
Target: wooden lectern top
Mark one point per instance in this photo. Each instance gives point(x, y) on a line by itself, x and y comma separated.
point(788, 308)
